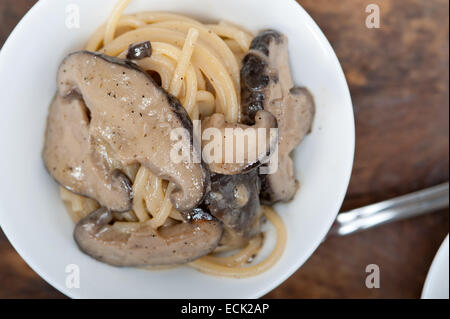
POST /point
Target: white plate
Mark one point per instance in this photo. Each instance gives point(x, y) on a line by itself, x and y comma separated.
point(437, 282)
point(31, 213)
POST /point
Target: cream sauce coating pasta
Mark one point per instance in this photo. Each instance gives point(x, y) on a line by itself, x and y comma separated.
point(200, 65)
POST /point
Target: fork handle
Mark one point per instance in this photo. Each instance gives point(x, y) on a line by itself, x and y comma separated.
point(424, 201)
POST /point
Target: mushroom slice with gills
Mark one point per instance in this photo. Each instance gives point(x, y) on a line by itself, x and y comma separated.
point(267, 85)
point(136, 119)
point(68, 158)
point(143, 245)
point(234, 200)
point(240, 147)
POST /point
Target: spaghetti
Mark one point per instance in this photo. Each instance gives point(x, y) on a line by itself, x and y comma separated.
point(200, 65)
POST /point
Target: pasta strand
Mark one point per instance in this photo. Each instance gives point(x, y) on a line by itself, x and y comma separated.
point(200, 65)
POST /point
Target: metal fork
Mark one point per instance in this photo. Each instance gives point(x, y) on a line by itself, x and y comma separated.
point(406, 206)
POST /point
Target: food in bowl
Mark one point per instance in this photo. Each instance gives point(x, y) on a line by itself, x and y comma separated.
point(140, 132)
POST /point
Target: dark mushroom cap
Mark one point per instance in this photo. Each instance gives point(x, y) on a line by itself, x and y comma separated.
point(234, 200)
point(137, 51)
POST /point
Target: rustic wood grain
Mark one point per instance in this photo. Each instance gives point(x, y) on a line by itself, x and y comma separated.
point(398, 77)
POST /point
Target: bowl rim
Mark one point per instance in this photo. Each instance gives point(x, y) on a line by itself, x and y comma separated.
point(74, 293)
point(432, 278)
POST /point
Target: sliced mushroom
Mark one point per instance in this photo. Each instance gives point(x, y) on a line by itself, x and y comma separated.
point(68, 157)
point(267, 84)
point(144, 246)
point(134, 117)
point(234, 200)
point(250, 145)
point(137, 51)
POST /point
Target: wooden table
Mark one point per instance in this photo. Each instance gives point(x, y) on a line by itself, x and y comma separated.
point(398, 77)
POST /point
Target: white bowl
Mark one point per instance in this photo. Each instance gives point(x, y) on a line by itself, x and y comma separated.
point(436, 284)
point(32, 215)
